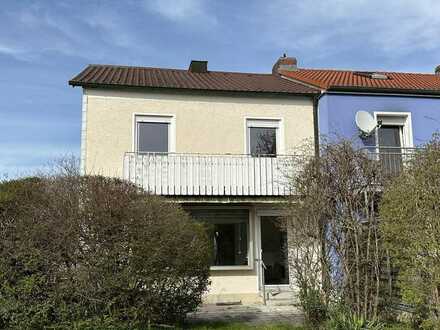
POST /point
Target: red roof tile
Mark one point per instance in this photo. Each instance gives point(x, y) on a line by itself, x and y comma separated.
point(360, 80)
point(111, 75)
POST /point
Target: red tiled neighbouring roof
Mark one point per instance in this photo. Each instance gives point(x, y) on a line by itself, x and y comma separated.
point(112, 75)
point(352, 80)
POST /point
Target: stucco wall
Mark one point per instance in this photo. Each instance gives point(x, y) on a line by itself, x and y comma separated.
point(204, 124)
point(337, 115)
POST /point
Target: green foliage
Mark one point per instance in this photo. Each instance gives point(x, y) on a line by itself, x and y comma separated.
point(81, 252)
point(410, 212)
point(343, 319)
point(313, 305)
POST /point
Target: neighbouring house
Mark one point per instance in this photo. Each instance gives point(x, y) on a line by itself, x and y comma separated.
point(219, 143)
point(405, 107)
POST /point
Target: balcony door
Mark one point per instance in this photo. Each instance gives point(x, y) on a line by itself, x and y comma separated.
point(274, 252)
point(390, 148)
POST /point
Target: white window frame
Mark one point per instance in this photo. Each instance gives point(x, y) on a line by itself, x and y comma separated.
point(402, 119)
point(155, 118)
point(266, 122)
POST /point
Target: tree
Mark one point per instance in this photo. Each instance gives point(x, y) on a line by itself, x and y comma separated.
point(332, 224)
point(90, 250)
point(410, 213)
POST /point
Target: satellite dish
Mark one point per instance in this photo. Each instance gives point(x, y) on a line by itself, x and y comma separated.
point(366, 123)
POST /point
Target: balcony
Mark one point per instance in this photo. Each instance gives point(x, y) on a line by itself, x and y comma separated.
point(176, 174)
point(392, 159)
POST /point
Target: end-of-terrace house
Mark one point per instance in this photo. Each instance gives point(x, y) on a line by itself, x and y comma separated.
point(405, 107)
point(218, 143)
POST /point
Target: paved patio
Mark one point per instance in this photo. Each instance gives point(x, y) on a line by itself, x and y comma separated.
point(249, 314)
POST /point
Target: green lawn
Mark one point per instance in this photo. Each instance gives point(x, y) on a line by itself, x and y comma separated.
point(237, 326)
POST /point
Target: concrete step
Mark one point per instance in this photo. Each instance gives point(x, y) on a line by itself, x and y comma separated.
point(281, 298)
point(280, 302)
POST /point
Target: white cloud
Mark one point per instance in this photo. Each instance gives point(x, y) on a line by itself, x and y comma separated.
point(181, 10)
point(90, 33)
point(392, 28)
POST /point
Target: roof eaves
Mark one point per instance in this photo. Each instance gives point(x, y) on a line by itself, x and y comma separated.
point(75, 83)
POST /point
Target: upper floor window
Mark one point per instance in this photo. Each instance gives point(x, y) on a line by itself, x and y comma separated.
point(390, 136)
point(154, 133)
point(395, 131)
point(263, 137)
point(393, 136)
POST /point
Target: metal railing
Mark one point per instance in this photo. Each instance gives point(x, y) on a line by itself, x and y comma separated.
point(392, 159)
point(203, 174)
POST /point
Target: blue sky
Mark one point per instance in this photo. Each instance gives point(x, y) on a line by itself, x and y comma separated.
point(45, 43)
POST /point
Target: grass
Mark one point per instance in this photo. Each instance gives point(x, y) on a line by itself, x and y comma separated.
point(239, 326)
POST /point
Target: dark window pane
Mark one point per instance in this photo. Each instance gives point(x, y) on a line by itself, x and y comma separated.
point(152, 137)
point(228, 232)
point(230, 244)
point(389, 136)
point(263, 141)
point(274, 251)
point(389, 148)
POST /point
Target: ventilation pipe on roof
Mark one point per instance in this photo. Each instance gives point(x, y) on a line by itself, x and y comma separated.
point(437, 70)
point(285, 63)
point(198, 66)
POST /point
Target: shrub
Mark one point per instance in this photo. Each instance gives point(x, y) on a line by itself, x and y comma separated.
point(89, 250)
point(341, 318)
point(313, 306)
point(336, 251)
point(411, 227)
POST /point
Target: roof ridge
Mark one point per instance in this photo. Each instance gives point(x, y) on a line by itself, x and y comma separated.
point(174, 69)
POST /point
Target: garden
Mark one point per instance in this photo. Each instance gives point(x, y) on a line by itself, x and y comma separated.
point(90, 252)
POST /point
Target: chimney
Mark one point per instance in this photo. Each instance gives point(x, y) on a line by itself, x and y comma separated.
point(198, 66)
point(437, 70)
point(285, 63)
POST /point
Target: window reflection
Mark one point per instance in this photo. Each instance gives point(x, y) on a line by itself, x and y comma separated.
point(263, 141)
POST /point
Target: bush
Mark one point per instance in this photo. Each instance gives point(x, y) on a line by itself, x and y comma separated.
point(313, 305)
point(341, 318)
point(411, 227)
point(93, 250)
point(335, 247)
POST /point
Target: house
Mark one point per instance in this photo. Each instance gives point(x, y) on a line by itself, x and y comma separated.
point(219, 143)
point(404, 107)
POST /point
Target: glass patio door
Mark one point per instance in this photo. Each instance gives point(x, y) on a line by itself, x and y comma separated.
point(274, 252)
point(390, 144)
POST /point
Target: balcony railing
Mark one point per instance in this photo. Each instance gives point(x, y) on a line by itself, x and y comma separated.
point(392, 159)
point(215, 175)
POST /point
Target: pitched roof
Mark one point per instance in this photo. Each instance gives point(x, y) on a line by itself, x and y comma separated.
point(127, 76)
point(374, 81)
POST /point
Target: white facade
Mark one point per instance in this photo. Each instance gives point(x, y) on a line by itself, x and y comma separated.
point(204, 155)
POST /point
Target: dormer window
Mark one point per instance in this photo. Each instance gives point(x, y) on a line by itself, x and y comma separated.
point(372, 75)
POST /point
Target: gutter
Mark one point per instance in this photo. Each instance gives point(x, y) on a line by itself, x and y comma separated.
point(194, 90)
point(381, 92)
point(384, 91)
point(316, 123)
